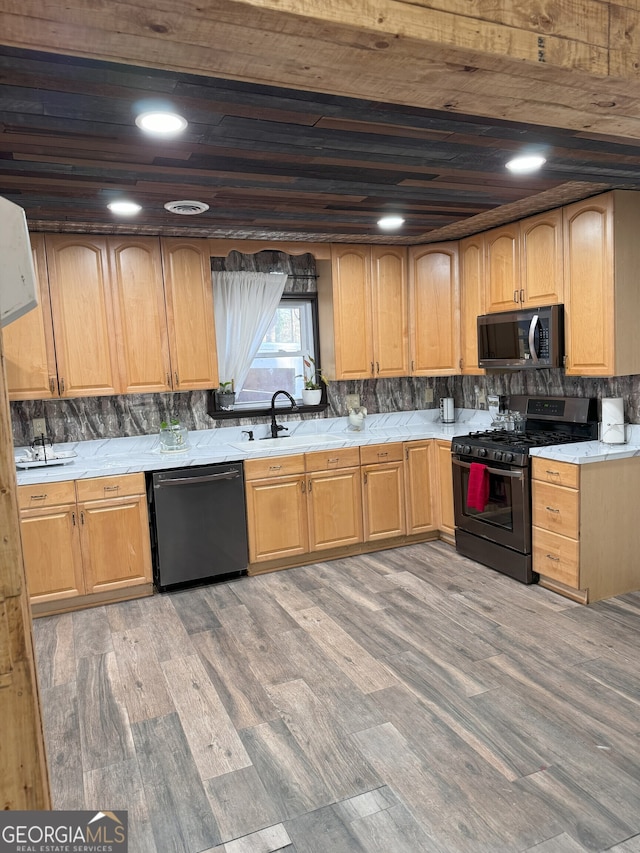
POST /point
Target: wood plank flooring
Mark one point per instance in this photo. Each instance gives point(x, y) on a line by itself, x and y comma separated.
point(408, 701)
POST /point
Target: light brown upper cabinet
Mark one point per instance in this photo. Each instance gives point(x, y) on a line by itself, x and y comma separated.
point(472, 301)
point(541, 260)
point(434, 309)
point(103, 326)
point(602, 297)
point(29, 352)
point(189, 299)
point(369, 311)
point(502, 267)
point(140, 316)
point(83, 318)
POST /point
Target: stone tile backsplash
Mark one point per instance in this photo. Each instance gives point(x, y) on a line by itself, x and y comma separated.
point(140, 414)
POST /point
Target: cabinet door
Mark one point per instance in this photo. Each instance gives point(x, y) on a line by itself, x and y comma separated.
point(51, 548)
point(472, 301)
point(351, 267)
point(502, 268)
point(434, 309)
point(28, 342)
point(541, 259)
point(335, 508)
point(277, 518)
point(589, 287)
point(446, 521)
point(141, 318)
point(83, 320)
point(116, 551)
point(418, 487)
point(189, 296)
point(389, 310)
point(383, 501)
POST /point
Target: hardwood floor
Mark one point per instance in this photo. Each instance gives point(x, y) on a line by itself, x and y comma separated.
point(407, 701)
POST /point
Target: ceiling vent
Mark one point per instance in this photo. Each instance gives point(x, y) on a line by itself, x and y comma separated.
point(186, 208)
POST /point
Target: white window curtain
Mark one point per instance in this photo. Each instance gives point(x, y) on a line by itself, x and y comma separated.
point(244, 305)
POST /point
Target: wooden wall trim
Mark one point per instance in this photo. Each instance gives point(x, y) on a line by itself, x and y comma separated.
point(24, 781)
point(220, 248)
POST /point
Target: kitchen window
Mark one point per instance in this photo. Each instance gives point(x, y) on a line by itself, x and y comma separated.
point(278, 364)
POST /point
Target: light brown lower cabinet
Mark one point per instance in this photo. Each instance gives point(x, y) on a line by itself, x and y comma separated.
point(444, 490)
point(85, 537)
point(419, 487)
point(277, 523)
point(586, 536)
point(383, 491)
point(334, 500)
point(303, 503)
point(344, 499)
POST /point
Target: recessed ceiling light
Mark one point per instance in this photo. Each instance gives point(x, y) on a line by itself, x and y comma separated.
point(388, 223)
point(164, 124)
point(528, 163)
point(124, 208)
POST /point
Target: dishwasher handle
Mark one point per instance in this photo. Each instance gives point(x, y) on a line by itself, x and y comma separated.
point(209, 478)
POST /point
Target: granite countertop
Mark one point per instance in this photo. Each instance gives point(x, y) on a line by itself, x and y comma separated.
point(112, 456)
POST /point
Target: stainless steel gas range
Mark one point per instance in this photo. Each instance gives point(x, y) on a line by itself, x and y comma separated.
point(492, 480)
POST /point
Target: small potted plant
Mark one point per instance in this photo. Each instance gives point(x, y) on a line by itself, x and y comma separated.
point(173, 437)
point(313, 380)
point(225, 396)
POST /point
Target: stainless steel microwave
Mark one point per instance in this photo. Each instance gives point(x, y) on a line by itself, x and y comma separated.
point(528, 338)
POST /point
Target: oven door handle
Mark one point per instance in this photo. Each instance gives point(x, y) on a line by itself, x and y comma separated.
point(499, 471)
point(532, 338)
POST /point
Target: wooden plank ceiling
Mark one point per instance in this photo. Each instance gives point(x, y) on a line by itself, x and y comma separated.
point(273, 162)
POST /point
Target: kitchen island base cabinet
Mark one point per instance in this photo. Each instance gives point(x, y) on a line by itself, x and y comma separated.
point(85, 542)
point(586, 536)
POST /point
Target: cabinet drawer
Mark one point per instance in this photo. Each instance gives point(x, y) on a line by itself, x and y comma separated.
point(556, 508)
point(273, 466)
point(326, 460)
point(100, 488)
point(46, 494)
point(392, 452)
point(559, 473)
point(556, 557)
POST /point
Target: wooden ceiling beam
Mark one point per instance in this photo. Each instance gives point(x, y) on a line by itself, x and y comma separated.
point(571, 65)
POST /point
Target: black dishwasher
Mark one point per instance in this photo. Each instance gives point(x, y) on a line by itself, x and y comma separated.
point(198, 525)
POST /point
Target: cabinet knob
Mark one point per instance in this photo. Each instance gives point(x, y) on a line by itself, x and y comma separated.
point(551, 557)
point(302, 487)
point(52, 385)
point(522, 296)
point(551, 509)
point(177, 377)
point(515, 295)
point(61, 387)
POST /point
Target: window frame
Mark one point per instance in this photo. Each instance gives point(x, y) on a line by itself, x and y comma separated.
point(260, 411)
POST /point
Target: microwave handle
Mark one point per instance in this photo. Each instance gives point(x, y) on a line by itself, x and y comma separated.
point(532, 338)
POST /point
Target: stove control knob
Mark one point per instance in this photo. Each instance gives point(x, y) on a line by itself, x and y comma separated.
point(497, 455)
point(467, 449)
point(482, 451)
point(508, 457)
